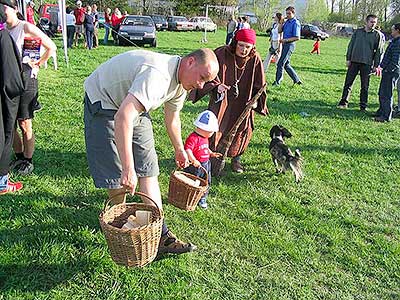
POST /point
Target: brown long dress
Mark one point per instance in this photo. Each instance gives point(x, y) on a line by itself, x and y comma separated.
point(250, 75)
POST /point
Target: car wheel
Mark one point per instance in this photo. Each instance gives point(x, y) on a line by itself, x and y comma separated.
point(153, 43)
point(197, 28)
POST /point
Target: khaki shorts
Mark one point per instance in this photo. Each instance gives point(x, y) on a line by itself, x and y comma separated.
point(101, 150)
point(80, 29)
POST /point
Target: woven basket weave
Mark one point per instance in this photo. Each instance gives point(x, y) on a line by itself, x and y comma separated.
point(183, 195)
point(131, 247)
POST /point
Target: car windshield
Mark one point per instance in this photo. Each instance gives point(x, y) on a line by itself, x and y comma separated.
point(158, 18)
point(314, 28)
point(138, 21)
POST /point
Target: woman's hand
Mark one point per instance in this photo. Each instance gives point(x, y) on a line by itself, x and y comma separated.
point(222, 88)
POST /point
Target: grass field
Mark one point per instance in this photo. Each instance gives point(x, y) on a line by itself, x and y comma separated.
point(333, 236)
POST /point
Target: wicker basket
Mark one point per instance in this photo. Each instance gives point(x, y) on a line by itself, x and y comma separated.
point(183, 195)
point(131, 247)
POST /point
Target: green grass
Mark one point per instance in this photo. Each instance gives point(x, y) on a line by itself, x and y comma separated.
point(333, 236)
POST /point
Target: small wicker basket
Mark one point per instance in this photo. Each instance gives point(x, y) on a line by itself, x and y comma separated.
point(131, 247)
point(183, 195)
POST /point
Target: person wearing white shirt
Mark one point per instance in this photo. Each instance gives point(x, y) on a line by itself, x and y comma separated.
point(275, 46)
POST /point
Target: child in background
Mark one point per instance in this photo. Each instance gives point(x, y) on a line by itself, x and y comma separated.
point(316, 46)
point(198, 151)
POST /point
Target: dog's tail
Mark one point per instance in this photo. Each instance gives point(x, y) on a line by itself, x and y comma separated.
point(296, 164)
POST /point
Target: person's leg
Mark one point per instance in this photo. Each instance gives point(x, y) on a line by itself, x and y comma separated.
point(95, 37)
point(288, 68)
point(236, 165)
point(28, 137)
point(351, 74)
point(106, 34)
point(281, 63)
point(364, 74)
point(77, 34)
point(386, 86)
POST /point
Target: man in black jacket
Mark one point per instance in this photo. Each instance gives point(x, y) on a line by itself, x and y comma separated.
point(390, 74)
point(11, 86)
point(363, 56)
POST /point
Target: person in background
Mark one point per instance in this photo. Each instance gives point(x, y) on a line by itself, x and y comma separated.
point(275, 46)
point(291, 34)
point(30, 12)
point(246, 24)
point(89, 23)
point(230, 29)
point(24, 145)
point(390, 75)
point(241, 76)
point(363, 57)
point(116, 19)
point(70, 22)
point(11, 87)
point(198, 151)
point(317, 46)
point(107, 25)
point(239, 24)
point(79, 13)
point(95, 14)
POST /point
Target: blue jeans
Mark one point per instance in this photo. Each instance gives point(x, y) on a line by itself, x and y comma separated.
point(89, 38)
point(3, 182)
point(284, 62)
point(106, 34)
point(200, 173)
point(229, 36)
point(386, 87)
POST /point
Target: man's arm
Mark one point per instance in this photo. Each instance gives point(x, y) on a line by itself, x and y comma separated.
point(350, 48)
point(378, 53)
point(173, 124)
point(125, 118)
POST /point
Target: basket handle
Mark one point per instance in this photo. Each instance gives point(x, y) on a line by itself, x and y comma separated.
point(107, 202)
point(201, 167)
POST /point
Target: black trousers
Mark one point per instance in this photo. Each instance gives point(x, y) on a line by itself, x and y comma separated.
point(351, 75)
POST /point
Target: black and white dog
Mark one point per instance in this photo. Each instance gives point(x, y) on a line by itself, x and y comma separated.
point(282, 156)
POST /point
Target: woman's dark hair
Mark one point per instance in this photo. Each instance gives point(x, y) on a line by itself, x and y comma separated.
point(233, 45)
point(279, 17)
point(397, 26)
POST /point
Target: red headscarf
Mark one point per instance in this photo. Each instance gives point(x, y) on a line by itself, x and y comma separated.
point(246, 35)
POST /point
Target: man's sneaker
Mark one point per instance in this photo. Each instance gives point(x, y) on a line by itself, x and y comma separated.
point(275, 83)
point(237, 167)
point(342, 106)
point(15, 163)
point(203, 204)
point(25, 168)
point(298, 83)
point(12, 187)
point(37, 107)
point(169, 243)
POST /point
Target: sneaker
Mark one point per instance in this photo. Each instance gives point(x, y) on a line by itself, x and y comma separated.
point(298, 83)
point(203, 204)
point(342, 106)
point(12, 187)
point(275, 83)
point(15, 163)
point(25, 168)
point(380, 120)
point(169, 243)
point(37, 107)
point(237, 167)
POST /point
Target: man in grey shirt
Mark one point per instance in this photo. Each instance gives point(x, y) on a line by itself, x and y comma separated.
point(119, 95)
point(363, 56)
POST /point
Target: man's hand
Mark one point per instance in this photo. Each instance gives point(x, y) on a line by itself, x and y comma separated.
point(348, 63)
point(129, 180)
point(181, 158)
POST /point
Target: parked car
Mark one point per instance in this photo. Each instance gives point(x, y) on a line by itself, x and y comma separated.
point(139, 30)
point(312, 32)
point(346, 31)
point(102, 19)
point(48, 18)
point(160, 21)
point(179, 23)
point(201, 23)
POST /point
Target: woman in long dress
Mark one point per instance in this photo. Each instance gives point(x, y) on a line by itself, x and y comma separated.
point(241, 75)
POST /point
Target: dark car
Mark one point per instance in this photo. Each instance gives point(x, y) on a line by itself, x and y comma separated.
point(346, 31)
point(160, 21)
point(312, 32)
point(179, 23)
point(138, 30)
point(48, 18)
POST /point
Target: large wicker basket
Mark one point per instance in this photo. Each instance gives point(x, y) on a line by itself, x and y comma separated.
point(131, 247)
point(183, 195)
